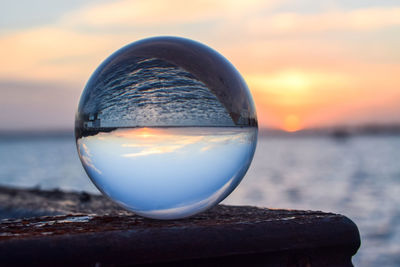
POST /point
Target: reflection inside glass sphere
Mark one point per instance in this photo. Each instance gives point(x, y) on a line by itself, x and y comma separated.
point(166, 127)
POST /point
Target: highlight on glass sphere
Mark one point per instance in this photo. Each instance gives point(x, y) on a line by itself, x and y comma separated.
point(166, 127)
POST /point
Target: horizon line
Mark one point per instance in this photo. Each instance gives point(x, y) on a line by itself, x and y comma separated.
point(336, 130)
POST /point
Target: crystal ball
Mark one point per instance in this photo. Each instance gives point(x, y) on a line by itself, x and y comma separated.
point(166, 127)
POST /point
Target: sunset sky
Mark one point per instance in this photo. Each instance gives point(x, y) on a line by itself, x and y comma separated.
point(307, 63)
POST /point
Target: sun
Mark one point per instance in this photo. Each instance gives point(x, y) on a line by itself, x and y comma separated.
point(145, 132)
point(292, 123)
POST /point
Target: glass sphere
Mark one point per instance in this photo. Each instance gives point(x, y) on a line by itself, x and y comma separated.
point(166, 127)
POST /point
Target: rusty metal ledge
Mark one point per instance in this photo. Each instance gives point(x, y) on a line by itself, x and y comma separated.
point(223, 236)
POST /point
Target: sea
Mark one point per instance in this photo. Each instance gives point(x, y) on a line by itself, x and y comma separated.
point(357, 176)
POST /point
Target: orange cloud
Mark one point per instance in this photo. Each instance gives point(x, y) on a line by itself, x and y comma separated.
point(51, 54)
point(67, 50)
point(147, 13)
point(355, 20)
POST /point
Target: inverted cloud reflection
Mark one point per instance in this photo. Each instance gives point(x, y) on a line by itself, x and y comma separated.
point(150, 141)
point(86, 156)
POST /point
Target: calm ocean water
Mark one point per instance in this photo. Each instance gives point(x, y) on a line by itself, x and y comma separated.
point(358, 177)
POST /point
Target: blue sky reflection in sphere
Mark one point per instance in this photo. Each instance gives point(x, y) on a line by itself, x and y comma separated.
point(166, 127)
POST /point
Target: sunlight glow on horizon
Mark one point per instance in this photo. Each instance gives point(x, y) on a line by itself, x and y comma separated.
point(292, 123)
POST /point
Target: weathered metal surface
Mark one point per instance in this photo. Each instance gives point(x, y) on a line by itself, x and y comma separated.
point(96, 232)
